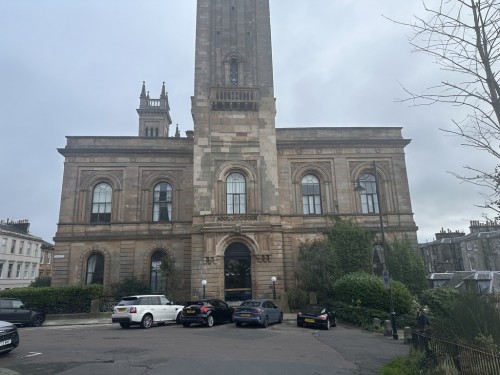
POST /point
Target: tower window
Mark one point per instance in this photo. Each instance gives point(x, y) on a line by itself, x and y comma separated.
point(233, 72)
point(236, 194)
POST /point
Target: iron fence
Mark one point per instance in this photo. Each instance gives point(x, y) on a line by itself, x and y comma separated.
point(107, 305)
point(466, 360)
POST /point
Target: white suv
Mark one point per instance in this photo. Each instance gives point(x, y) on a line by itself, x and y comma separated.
point(145, 310)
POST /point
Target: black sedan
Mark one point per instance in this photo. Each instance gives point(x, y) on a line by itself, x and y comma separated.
point(207, 312)
point(9, 338)
point(317, 316)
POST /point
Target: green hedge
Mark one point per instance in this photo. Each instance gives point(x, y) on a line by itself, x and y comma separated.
point(367, 291)
point(57, 300)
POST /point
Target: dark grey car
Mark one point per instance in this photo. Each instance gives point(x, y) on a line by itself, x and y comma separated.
point(13, 310)
point(257, 311)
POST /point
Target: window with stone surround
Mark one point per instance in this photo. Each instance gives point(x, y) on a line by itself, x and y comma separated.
point(311, 195)
point(101, 204)
point(157, 281)
point(233, 72)
point(162, 202)
point(369, 199)
point(236, 193)
point(95, 269)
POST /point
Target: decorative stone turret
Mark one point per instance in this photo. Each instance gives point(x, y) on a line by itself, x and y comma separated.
point(154, 114)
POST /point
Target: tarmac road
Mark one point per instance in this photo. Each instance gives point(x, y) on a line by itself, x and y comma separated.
point(98, 347)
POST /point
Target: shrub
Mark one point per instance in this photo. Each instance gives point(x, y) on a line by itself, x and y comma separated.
point(361, 289)
point(297, 298)
point(57, 300)
point(129, 286)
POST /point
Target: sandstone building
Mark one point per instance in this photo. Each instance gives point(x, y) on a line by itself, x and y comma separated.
point(232, 201)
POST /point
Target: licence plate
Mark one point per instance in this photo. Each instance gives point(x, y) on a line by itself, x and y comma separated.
point(6, 342)
point(308, 320)
point(121, 309)
point(245, 315)
point(190, 311)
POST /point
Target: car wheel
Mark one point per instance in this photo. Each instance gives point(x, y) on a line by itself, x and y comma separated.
point(265, 323)
point(280, 320)
point(327, 325)
point(37, 320)
point(238, 324)
point(299, 324)
point(210, 321)
point(334, 324)
point(125, 325)
point(178, 318)
point(147, 321)
point(185, 324)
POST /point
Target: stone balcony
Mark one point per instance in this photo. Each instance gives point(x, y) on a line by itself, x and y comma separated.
point(234, 99)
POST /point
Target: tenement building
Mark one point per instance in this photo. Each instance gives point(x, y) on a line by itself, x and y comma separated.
point(229, 204)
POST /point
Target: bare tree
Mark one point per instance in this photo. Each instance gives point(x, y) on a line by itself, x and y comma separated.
point(463, 37)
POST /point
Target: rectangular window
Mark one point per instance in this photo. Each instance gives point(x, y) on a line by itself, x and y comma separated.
point(28, 249)
point(13, 247)
point(3, 245)
point(18, 270)
point(49, 257)
point(1, 270)
point(21, 247)
point(26, 270)
point(36, 250)
point(9, 270)
point(33, 270)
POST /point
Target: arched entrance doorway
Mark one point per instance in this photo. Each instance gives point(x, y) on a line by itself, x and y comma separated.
point(237, 273)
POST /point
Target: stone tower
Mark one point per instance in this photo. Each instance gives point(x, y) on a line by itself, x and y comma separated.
point(235, 158)
point(154, 114)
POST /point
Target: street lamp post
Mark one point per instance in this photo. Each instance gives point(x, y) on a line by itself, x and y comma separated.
point(204, 284)
point(386, 274)
point(273, 279)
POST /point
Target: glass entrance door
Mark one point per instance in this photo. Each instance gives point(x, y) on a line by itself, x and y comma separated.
point(237, 273)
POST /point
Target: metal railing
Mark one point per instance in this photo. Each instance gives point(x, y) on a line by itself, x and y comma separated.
point(466, 360)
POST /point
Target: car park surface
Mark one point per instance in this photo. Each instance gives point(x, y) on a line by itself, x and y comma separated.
point(207, 312)
point(281, 349)
point(13, 310)
point(257, 311)
point(145, 310)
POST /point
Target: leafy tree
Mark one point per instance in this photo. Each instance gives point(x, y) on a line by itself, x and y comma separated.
point(41, 282)
point(353, 245)
point(462, 36)
point(406, 265)
point(168, 272)
point(465, 316)
point(318, 266)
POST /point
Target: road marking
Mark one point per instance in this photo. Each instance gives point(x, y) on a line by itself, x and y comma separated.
point(31, 354)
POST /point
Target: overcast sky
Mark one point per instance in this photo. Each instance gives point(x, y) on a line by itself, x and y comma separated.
point(75, 68)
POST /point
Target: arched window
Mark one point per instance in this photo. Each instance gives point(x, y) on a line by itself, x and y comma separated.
point(233, 72)
point(95, 269)
point(157, 281)
point(369, 200)
point(162, 202)
point(236, 194)
point(101, 203)
point(311, 195)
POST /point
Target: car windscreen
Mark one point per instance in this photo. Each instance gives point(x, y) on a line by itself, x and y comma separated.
point(314, 309)
point(250, 304)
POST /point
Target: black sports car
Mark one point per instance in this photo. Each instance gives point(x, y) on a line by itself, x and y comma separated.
point(207, 312)
point(317, 316)
point(9, 338)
